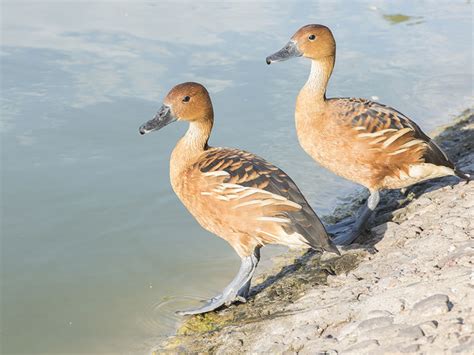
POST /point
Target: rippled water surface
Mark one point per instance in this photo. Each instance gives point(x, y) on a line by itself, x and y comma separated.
point(97, 252)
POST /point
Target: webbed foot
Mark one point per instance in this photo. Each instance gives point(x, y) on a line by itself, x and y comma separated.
point(213, 304)
point(346, 231)
point(236, 291)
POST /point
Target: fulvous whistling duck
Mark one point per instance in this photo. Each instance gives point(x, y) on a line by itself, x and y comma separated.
point(363, 141)
point(234, 194)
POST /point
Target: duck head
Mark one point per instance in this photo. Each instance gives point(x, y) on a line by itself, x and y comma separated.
point(185, 102)
point(310, 41)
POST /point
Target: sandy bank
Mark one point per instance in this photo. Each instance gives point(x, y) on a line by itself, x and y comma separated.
point(407, 286)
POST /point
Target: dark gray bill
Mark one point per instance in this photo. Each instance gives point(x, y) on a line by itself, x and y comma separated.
point(290, 50)
point(162, 118)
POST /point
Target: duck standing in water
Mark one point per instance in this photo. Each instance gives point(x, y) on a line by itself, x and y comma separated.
point(363, 141)
point(232, 193)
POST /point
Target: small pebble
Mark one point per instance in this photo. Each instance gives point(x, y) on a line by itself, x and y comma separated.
point(373, 323)
point(436, 304)
point(428, 327)
point(384, 332)
point(410, 348)
point(411, 332)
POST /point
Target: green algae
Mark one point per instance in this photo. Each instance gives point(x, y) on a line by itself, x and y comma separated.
point(344, 263)
point(204, 323)
point(396, 18)
point(202, 333)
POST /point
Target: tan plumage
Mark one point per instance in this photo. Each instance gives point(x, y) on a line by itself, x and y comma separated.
point(363, 141)
point(234, 194)
point(371, 144)
point(247, 201)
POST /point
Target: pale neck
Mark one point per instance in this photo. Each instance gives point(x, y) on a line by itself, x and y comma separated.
point(192, 144)
point(197, 135)
point(317, 82)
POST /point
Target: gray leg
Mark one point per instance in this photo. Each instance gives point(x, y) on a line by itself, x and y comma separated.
point(363, 216)
point(245, 289)
point(237, 290)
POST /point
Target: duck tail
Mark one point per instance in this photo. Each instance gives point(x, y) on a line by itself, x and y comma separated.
point(326, 243)
point(331, 247)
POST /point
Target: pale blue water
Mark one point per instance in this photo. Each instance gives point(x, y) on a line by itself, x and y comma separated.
point(97, 252)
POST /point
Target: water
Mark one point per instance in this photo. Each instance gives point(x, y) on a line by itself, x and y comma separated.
point(97, 252)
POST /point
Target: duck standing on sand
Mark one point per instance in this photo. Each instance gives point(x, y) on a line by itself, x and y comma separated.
point(363, 141)
point(232, 193)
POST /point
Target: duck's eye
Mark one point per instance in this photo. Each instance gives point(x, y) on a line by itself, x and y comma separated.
point(312, 37)
point(186, 99)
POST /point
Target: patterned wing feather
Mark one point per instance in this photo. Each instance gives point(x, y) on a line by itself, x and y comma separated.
point(390, 131)
point(266, 193)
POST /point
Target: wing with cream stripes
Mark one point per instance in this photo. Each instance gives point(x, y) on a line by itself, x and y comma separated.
point(390, 132)
point(257, 198)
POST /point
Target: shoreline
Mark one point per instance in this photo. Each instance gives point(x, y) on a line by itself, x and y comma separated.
point(403, 286)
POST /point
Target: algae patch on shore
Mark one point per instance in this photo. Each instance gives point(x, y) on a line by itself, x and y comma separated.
point(268, 300)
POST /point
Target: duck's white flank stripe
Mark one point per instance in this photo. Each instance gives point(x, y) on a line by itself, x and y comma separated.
point(397, 135)
point(217, 173)
point(274, 219)
point(376, 134)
